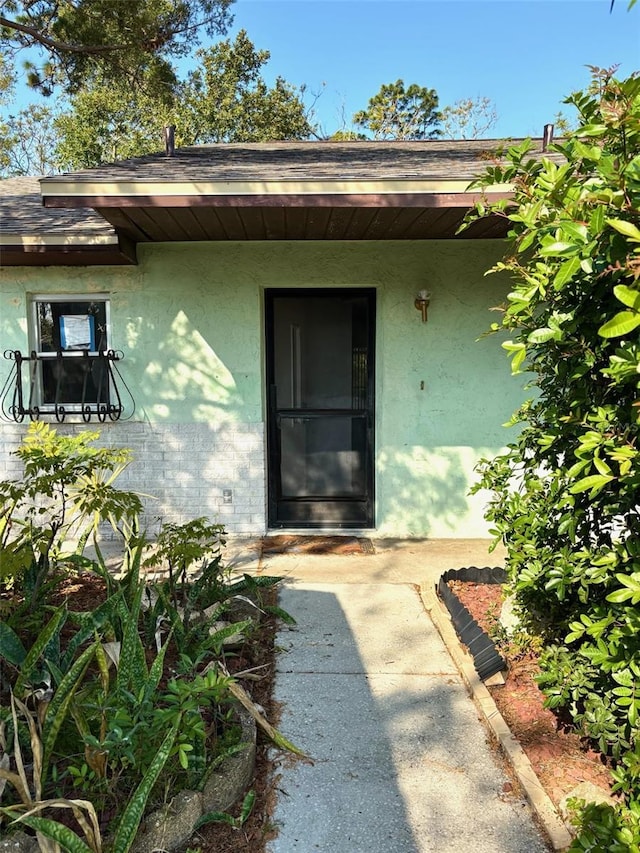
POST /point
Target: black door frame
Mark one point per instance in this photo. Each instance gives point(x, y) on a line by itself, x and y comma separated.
point(274, 493)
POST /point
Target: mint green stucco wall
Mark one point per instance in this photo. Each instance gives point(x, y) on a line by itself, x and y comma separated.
point(189, 319)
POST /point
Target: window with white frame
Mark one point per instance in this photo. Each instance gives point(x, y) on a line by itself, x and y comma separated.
point(68, 333)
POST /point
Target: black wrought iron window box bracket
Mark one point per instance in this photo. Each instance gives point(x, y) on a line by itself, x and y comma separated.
point(82, 383)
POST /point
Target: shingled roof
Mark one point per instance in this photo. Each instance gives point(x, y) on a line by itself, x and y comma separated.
point(31, 234)
point(253, 191)
point(459, 160)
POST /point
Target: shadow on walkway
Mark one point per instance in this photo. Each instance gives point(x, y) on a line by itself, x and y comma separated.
point(401, 760)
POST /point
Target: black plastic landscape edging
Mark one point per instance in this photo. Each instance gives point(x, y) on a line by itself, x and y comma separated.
point(486, 658)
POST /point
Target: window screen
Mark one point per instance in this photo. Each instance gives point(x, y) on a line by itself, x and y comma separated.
point(66, 332)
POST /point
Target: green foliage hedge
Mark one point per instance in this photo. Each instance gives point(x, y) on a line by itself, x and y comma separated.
point(566, 494)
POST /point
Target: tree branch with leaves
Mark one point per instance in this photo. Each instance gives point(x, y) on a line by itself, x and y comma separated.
point(469, 118)
point(225, 99)
point(111, 39)
point(399, 112)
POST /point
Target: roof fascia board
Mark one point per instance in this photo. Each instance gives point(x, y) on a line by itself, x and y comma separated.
point(55, 187)
point(15, 250)
point(65, 258)
point(31, 241)
point(412, 199)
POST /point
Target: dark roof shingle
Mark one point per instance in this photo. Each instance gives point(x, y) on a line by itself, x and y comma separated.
point(281, 161)
point(22, 212)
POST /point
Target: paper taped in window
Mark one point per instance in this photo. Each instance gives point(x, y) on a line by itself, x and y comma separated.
point(77, 331)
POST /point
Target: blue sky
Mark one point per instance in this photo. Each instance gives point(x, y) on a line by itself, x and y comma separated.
point(526, 55)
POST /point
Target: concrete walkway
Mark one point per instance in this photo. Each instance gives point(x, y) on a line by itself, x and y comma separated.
point(368, 690)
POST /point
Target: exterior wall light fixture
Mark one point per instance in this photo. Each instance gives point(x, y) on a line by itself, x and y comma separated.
point(422, 300)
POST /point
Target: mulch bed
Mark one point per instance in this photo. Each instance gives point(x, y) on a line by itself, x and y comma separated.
point(560, 758)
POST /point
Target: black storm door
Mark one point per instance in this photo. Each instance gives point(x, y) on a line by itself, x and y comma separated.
point(320, 364)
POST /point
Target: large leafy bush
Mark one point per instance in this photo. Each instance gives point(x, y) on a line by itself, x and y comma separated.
point(104, 710)
point(566, 494)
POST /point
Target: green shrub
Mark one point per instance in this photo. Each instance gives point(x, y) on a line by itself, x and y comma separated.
point(66, 492)
point(565, 494)
point(92, 717)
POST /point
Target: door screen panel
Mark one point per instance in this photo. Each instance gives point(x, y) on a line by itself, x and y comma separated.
point(320, 373)
point(323, 456)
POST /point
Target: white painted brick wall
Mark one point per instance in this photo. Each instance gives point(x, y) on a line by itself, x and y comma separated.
point(183, 467)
